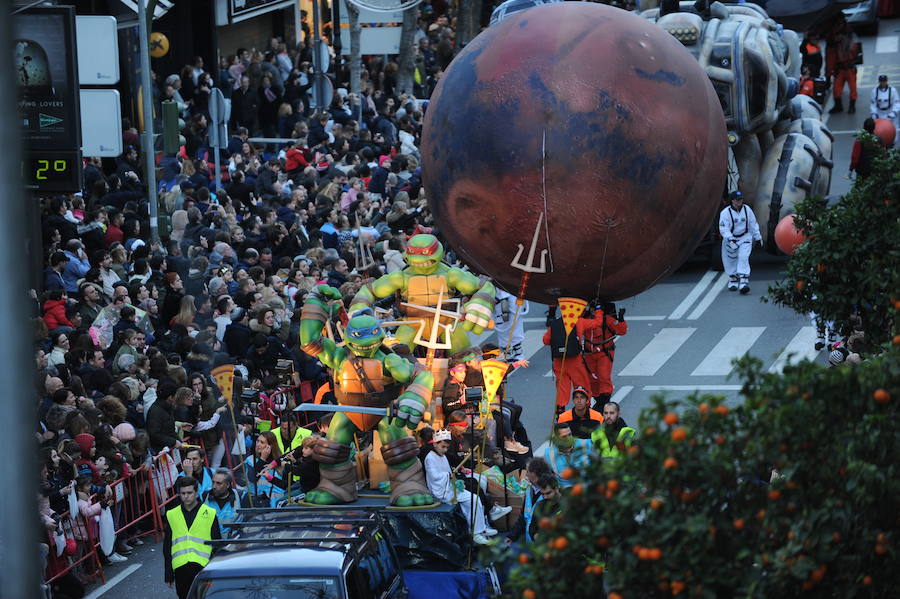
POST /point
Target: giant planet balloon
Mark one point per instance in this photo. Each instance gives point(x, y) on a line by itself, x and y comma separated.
point(581, 131)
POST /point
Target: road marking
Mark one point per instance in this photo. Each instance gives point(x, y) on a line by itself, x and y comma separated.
point(710, 297)
point(801, 346)
point(691, 297)
point(887, 44)
point(736, 342)
point(692, 388)
point(113, 581)
point(620, 394)
point(645, 317)
point(549, 373)
point(656, 353)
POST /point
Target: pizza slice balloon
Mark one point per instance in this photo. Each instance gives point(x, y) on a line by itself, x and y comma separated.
point(493, 372)
point(224, 377)
point(571, 309)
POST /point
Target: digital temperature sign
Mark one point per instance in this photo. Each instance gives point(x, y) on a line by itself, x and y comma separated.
point(46, 170)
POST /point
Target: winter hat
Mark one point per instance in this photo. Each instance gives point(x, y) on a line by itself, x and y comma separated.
point(382, 159)
point(85, 442)
point(124, 432)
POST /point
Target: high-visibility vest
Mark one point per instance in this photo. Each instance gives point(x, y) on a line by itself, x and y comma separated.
point(191, 544)
point(301, 434)
point(601, 443)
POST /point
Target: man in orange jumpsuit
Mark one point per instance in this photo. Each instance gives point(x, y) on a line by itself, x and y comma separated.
point(568, 364)
point(843, 53)
point(598, 333)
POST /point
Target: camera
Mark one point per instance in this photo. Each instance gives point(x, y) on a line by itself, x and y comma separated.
point(472, 398)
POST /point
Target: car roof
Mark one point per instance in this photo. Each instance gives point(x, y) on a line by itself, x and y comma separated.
point(277, 560)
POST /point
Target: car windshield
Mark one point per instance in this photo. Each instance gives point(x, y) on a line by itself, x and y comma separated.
point(270, 587)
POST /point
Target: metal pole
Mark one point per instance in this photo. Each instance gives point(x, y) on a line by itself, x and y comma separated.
point(144, 16)
point(19, 576)
point(336, 41)
point(318, 70)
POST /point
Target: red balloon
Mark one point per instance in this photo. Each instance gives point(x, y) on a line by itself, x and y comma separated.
point(885, 130)
point(787, 235)
point(591, 119)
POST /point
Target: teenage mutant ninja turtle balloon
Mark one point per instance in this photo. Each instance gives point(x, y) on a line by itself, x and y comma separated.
point(581, 132)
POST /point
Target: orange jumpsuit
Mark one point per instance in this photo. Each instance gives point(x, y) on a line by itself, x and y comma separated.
point(569, 372)
point(598, 335)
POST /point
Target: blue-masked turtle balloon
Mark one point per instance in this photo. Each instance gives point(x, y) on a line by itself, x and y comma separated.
point(576, 142)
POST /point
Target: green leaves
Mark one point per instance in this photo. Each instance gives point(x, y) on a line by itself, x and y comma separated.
point(784, 495)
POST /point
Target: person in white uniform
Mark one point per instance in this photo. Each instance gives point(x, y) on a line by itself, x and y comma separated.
point(885, 102)
point(739, 229)
point(504, 315)
point(442, 487)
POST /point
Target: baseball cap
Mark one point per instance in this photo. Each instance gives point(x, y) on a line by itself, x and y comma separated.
point(882, 78)
point(581, 390)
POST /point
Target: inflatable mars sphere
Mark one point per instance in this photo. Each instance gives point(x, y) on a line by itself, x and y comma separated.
point(578, 142)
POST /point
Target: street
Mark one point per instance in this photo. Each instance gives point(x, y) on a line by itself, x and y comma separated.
point(683, 332)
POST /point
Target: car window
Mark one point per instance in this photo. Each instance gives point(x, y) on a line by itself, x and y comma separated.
point(270, 587)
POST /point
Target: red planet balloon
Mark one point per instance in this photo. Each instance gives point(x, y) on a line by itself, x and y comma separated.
point(885, 131)
point(787, 235)
point(580, 131)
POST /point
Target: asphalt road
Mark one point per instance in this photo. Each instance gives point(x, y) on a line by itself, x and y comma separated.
point(682, 333)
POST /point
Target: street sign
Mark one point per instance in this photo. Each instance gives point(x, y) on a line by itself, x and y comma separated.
point(322, 88)
point(98, 50)
point(218, 133)
point(323, 56)
point(101, 122)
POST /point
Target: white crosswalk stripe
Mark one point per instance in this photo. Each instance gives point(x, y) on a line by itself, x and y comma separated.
point(736, 342)
point(887, 44)
point(710, 297)
point(802, 346)
point(657, 352)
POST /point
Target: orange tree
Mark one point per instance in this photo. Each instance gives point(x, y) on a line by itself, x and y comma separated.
point(851, 258)
point(793, 493)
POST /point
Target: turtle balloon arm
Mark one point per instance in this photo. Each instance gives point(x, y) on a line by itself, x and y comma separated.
point(382, 287)
point(479, 309)
point(316, 311)
point(413, 402)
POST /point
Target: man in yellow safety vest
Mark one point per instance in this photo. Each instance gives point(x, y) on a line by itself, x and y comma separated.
point(614, 434)
point(190, 527)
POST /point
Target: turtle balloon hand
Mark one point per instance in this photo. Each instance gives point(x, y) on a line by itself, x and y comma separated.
point(408, 410)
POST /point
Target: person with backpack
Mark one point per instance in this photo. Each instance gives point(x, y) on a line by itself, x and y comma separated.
point(568, 364)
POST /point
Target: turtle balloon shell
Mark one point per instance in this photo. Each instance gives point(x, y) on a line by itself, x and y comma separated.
point(592, 118)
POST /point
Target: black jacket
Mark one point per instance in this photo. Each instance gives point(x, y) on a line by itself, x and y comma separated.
point(161, 426)
point(237, 339)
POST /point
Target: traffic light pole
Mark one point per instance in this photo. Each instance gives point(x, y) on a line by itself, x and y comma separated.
point(144, 18)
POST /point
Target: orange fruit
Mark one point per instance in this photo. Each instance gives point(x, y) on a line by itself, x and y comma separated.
point(655, 554)
point(569, 473)
point(703, 408)
point(738, 524)
point(636, 550)
point(612, 485)
point(761, 514)
point(603, 542)
point(881, 395)
point(880, 549)
point(634, 450)
point(656, 503)
point(881, 538)
point(774, 494)
point(818, 574)
point(820, 268)
point(598, 570)
point(836, 537)
point(677, 587)
point(799, 285)
point(679, 434)
point(671, 419)
point(577, 489)
point(720, 439)
point(560, 543)
point(896, 339)
point(867, 581)
point(529, 594)
point(670, 463)
point(615, 595)
point(644, 553)
point(722, 410)
point(652, 429)
point(546, 524)
point(524, 558)
point(807, 585)
point(790, 535)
